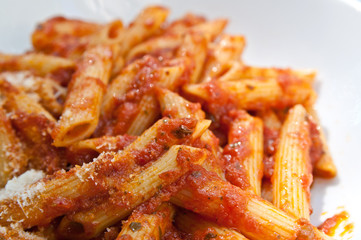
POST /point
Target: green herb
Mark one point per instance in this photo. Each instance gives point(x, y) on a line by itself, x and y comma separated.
point(182, 132)
point(196, 174)
point(210, 236)
point(160, 232)
point(135, 226)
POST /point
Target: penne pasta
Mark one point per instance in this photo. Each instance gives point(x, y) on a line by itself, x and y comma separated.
point(60, 69)
point(323, 164)
point(245, 212)
point(14, 232)
point(174, 106)
point(119, 86)
point(250, 94)
point(79, 185)
point(86, 150)
point(147, 114)
point(13, 161)
point(17, 100)
point(148, 106)
point(82, 107)
point(202, 229)
point(42, 89)
point(227, 50)
point(163, 47)
point(210, 29)
point(243, 156)
point(241, 71)
point(140, 187)
point(148, 226)
point(110, 120)
point(130, 99)
point(271, 130)
point(194, 50)
point(63, 37)
point(183, 24)
point(292, 176)
point(33, 124)
point(146, 24)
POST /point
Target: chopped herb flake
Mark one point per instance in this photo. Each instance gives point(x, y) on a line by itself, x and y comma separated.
point(135, 226)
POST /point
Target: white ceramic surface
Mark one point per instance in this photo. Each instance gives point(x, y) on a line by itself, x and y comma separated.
point(320, 34)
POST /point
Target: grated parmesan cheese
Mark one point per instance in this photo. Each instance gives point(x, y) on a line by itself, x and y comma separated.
point(16, 232)
point(18, 185)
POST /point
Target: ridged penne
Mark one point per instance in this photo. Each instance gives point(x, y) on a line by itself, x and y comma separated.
point(243, 211)
point(292, 176)
point(17, 100)
point(13, 161)
point(182, 25)
point(163, 46)
point(63, 37)
point(148, 106)
point(86, 150)
point(33, 124)
point(240, 71)
point(119, 86)
point(43, 65)
point(141, 186)
point(82, 107)
point(194, 50)
point(174, 106)
point(103, 144)
point(323, 165)
point(201, 229)
point(243, 156)
point(147, 114)
point(210, 29)
point(251, 94)
point(148, 226)
point(222, 54)
point(271, 131)
point(134, 106)
point(42, 89)
point(15, 232)
point(155, 129)
point(146, 24)
point(80, 184)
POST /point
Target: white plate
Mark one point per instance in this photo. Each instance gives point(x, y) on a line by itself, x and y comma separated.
point(320, 34)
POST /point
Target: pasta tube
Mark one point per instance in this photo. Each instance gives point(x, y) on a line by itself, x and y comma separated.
point(243, 156)
point(148, 226)
point(292, 176)
point(80, 185)
point(82, 107)
point(202, 229)
point(140, 187)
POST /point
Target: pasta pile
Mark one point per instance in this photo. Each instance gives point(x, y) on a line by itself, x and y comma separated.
point(155, 130)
